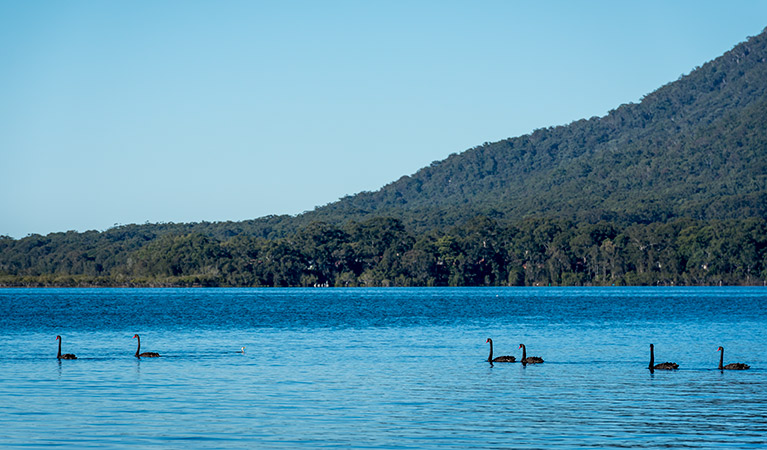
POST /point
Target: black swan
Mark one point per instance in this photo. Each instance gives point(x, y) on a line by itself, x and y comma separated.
point(531, 359)
point(145, 354)
point(66, 355)
point(731, 366)
point(661, 366)
point(500, 358)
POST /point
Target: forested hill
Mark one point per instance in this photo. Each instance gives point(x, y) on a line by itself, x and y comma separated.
point(672, 190)
point(696, 147)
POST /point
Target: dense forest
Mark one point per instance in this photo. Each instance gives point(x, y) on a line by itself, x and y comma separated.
point(381, 252)
point(671, 190)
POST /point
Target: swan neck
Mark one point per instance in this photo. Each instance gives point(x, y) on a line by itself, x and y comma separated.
point(721, 359)
point(59, 354)
point(138, 348)
point(652, 357)
point(490, 358)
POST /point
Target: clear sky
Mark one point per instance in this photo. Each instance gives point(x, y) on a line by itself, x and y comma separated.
point(121, 112)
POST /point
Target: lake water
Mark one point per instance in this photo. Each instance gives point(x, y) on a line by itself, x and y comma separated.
point(382, 368)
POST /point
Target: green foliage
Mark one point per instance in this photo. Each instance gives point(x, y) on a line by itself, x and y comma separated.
point(381, 252)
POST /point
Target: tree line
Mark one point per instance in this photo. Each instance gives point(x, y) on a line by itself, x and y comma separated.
point(383, 252)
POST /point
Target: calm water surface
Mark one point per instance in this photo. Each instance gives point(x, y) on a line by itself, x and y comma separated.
point(382, 368)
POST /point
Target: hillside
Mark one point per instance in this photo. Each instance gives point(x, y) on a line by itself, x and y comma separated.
point(693, 148)
point(671, 190)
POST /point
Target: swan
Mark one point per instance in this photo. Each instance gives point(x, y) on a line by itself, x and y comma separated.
point(500, 358)
point(66, 355)
point(531, 359)
point(145, 354)
point(731, 366)
point(661, 366)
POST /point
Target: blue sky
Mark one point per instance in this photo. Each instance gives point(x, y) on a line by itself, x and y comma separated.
point(182, 111)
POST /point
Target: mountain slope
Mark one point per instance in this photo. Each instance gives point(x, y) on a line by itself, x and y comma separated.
point(695, 147)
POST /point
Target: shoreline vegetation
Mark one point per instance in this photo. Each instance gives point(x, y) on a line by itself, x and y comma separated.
point(381, 252)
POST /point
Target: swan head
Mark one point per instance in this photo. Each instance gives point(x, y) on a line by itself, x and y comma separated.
point(720, 349)
point(488, 340)
point(135, 336)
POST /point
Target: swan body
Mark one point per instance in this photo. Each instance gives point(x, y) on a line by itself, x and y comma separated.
point(66, 355)
point(731, 366)
point(661, 366)
point(500, 358)
point(666, 366)
point(529, 359)
point(145, 354)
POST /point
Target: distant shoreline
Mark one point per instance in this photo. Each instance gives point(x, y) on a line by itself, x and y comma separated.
point(199, 286)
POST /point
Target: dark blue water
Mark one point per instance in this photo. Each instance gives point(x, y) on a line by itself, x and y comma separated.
point(382, 368)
